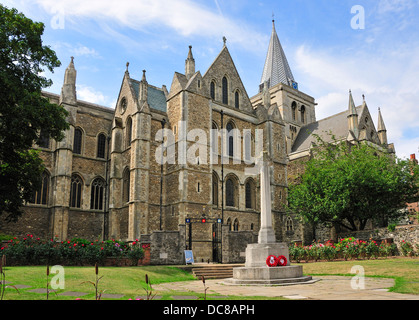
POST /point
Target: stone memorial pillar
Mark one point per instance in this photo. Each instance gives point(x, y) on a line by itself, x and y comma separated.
point(256, 271)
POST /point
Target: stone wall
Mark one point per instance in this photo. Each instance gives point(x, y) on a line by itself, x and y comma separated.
point(167, 247)
point(408, 233)
point(35, 220)
point(86, 225)
point(235, 244)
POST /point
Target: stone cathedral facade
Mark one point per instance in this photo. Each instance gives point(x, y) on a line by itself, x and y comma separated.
point(104, 179)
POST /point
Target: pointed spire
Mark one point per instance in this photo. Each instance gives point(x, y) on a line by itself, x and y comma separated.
point(70, 73)
point(68, 90)
point(277, 69)
point(352, 117)
point(352, 108)
point(143, 89)
point(381, 129)
point(381, 125)
point(190, 64)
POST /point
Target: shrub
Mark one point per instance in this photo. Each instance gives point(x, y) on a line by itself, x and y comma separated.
point(407, 248)
point(33, 251)
point(387, 249)
point(329, 251)
point(347, 248)
point(372, 249)
point(296, 252)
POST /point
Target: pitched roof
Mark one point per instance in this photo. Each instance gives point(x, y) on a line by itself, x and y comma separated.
point(277, 69)
point(336, 124)
point(156, 97)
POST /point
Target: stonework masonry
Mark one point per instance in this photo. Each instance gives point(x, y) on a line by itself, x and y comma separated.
point(104, 181)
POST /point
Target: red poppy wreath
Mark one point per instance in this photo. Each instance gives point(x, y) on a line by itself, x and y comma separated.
point(272, 261)
point(282, 261)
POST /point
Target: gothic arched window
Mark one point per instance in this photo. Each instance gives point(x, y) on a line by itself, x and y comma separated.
point(126, 181)
point(78, 139)
point(76, 191)
point(43, 141)
point(289, 224)
point(101, 146)
point(250, 194)
point(128, 132)
point(248, 146)
point(236, 225)
point(212, 90)
point(229, 223)
point(230, 193)
point(97, 192)
point(237, 99)
point(225, 90)
point(215, 189)
point(294, 111)
point(230, 135)
point(303, 114)
point(40, 196)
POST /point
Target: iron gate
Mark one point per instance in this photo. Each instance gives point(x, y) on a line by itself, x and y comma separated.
point(216, 236)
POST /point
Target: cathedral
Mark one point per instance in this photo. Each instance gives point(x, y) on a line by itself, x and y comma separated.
point(121, 173)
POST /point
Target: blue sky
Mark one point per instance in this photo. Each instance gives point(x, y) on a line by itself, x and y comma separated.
point(326, 54)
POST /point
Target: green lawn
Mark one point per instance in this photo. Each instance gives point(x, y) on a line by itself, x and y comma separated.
point(130, 281)
point(405, 271)
point(127, 280)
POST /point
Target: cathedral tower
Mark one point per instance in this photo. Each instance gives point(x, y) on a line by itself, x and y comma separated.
point(297, 109)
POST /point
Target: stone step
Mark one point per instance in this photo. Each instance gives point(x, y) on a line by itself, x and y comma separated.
point(214, 271)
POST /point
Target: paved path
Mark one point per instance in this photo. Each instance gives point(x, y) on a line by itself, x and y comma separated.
point(326, 288)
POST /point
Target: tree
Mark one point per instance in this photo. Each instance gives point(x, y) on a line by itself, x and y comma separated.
point(23, 110)
point(349, 185)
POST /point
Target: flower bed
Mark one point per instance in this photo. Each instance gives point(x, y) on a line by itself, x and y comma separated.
point(346, 249)
point(33, 251)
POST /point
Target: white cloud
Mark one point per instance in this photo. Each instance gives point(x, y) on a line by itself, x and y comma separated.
point(76, 50)
point(85, 51)
point(395, 6)
point(91, 95)
point(186, 17)
point(389, 81)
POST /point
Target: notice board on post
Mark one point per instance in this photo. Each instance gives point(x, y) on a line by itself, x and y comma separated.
point(189, 257)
